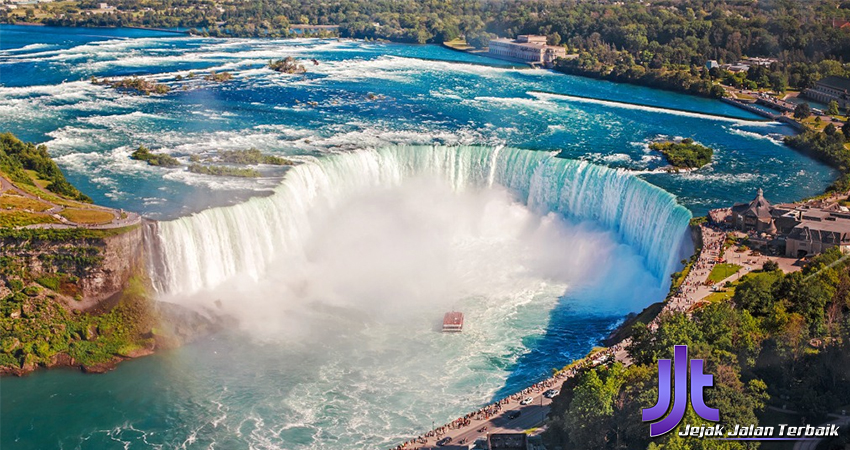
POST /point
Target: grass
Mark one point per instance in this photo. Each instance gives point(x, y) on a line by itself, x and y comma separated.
point(87, 216)
point(44, 328)
point(720, 296)
point(458, 44)
point(14, 201)
point(14, 219)
point(37, 180)
point(62, 235)
point(722, 271)
point(49, 196)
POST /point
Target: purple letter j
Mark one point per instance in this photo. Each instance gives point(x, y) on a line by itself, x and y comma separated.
point(699, 380)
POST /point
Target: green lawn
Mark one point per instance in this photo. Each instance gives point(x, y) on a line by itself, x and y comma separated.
point(722, 271)
point(720, 296)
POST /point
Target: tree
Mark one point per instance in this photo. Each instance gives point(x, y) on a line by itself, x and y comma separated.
point(756, 292)
point(589, 414)
point(830, 130)
point(478, 40)
point(802, 111)
point(845, 129)
point(778, 82)
point(832, 108)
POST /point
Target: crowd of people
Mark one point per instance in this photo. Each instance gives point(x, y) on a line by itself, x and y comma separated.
point(485, 413)
point(712, 249)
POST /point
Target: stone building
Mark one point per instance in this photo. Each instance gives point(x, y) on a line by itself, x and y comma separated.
point(829, 89)
point(754, 216)
point(526, 48)
point(812, 238)
point(804, 229)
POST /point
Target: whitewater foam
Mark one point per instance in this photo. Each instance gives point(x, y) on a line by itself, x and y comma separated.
point(208, 248)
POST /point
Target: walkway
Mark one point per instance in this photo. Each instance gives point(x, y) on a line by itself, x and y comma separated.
point(693, 289)
point(119, 218)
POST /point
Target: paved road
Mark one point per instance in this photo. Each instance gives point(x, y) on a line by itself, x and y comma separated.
point(531, 415)
point(841, 421)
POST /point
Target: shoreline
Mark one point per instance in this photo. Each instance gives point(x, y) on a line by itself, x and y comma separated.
point(132, 27)
point(644, 105)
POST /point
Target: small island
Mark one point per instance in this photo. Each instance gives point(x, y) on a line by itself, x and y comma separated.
point(219, 77)
point(684, 154)
point(251, 156)
point(287, 65)
point(134, 85)
point(224, 171)
point(155, 159)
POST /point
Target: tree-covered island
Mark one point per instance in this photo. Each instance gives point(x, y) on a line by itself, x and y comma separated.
point(155, 159)
point(685, 154)
point(200, 164)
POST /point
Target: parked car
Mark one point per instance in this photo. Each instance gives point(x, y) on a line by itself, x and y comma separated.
point(551, 393)
point(513, 414)
point(444, 441)
point(526, 401)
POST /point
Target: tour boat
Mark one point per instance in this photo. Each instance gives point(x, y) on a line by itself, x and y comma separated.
point(453, 322)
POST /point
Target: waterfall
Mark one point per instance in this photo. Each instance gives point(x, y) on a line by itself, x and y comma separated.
point(205, 249)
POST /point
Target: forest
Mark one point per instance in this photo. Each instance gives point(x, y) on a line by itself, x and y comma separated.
point(661, 43)
point(782, 341)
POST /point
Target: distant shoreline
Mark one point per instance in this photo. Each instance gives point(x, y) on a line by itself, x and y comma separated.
point(134, 27)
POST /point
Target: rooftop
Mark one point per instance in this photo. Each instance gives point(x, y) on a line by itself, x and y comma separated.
point(840, 83)
point(519, 44)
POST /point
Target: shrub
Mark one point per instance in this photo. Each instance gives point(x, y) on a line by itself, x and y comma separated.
point(32, 291)
point(15, 285)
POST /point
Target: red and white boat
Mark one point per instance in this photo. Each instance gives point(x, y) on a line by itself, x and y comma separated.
point(453, 322)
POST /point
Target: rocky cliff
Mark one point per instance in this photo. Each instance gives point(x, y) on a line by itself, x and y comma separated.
point(86, 266)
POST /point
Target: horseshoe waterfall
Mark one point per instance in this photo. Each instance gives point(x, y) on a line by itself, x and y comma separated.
point(205, 249)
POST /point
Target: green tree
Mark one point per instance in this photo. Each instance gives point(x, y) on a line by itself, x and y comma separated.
point(778, 82)
point(832, 108)
point(589, 413)
point(830, 130)
point(802, 111)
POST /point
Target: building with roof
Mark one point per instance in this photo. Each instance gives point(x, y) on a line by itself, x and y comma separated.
point(735, 68)
point(803, 229)
point(764, 62)
point(754, 216)
point(812, 238)
point(527, 48)
point(829, 89)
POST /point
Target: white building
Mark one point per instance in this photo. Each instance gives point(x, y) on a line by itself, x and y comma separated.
point(526, 48)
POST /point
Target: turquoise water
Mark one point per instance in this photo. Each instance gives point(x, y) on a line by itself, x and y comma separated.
point(342, 273)
point(453, 100)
